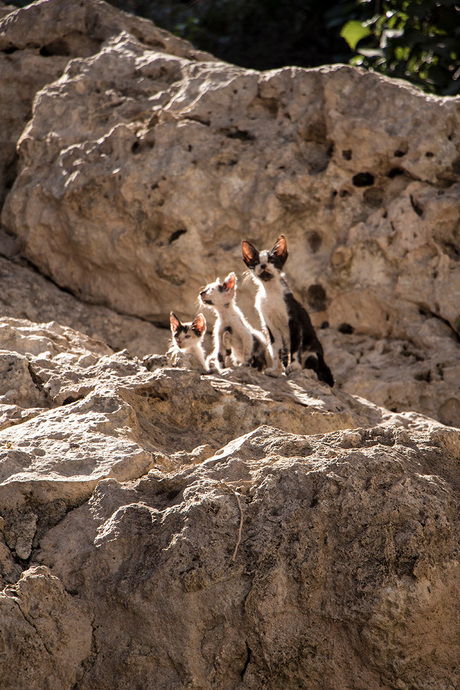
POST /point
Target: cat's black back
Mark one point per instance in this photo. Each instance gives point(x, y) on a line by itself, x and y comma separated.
point(305, 346)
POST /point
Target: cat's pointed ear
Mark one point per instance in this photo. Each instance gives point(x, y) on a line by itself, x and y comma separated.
point(174, 321)
point(250, 254)
point(280, 249)
point(230, 281)
point(199, 325)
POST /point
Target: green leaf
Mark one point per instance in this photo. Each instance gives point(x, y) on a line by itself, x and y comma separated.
point(353, 32)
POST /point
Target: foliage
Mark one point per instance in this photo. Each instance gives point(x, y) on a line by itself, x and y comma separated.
point(417, 40)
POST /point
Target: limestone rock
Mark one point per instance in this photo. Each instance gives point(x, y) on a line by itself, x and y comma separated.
point(37, 42)
point(344, 571)
point(226, 530)
point(27, 295)
point(163, 527)
point(133, 193)
point(46, 630)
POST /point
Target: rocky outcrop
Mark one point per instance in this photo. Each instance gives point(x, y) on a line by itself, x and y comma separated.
point(144, 163)
point(164, 527)
point(25, 294)
point(231, 531)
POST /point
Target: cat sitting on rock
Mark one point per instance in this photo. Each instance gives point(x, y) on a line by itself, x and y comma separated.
point(288, 340)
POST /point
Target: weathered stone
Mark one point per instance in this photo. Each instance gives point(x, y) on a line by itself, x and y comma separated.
point(27, 295)
point(161, 527)
point(36, 44)
point(46, 631)
point(133, 193)
point(344, 572)
point(227, 530)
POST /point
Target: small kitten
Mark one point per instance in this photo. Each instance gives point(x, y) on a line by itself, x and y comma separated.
point(235, 340)
point(292, 339)
point(188, 337)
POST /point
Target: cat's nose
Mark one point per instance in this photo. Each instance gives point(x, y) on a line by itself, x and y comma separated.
point(263, 266)
point(202, 292)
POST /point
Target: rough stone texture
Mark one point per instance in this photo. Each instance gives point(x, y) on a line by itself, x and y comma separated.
point(133, 192)
point(25, 294)
point(165, 528)
point(36, 44)
point(217, 531)
point(50, 633)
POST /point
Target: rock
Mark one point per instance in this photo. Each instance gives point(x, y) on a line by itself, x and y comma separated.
point(6, 9)
point(343, 571)
point(27, 295)
point(133, 194)
point(223, 530)
point(162, 527)
point(46, 630)
point(36, 44)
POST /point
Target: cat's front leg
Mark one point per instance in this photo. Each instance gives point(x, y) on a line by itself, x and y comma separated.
point(216, 360)
point(277, 350)
point(295, 364)
point(226, 348)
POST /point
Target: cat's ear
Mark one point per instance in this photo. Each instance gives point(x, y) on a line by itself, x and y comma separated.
point(280, 249)
point(250, 254)
point(199, 325)
point(174, 321)
point(230, 281)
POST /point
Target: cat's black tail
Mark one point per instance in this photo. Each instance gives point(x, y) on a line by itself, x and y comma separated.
point(317, 363)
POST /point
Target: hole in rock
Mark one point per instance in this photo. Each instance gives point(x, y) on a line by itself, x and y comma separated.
point(58, 47)
point(373, 197)
point(394, 172)
point(363, 179)
point(316, 296)
point(315, 241)
point(240, 134)
point(423, 376)
point(176, 234)
point(346, 328)
point(416, 206)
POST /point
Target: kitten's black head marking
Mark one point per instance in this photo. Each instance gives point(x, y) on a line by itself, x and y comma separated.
point(279, 253)
point(266, 276)
point(250, 254)
point(175, 322)
point(202, 295)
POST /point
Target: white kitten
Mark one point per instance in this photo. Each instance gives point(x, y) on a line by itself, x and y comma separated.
point(235, 340)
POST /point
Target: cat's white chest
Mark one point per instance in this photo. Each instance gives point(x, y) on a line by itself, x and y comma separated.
point(271, 304)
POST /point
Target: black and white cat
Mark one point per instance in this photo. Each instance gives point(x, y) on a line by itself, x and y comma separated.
point(293, 342)
point(188, 337)
point(235, 340)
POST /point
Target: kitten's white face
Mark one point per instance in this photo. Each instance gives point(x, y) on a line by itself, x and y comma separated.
point(187, 334)
point(219, 295)
point(265, 270)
